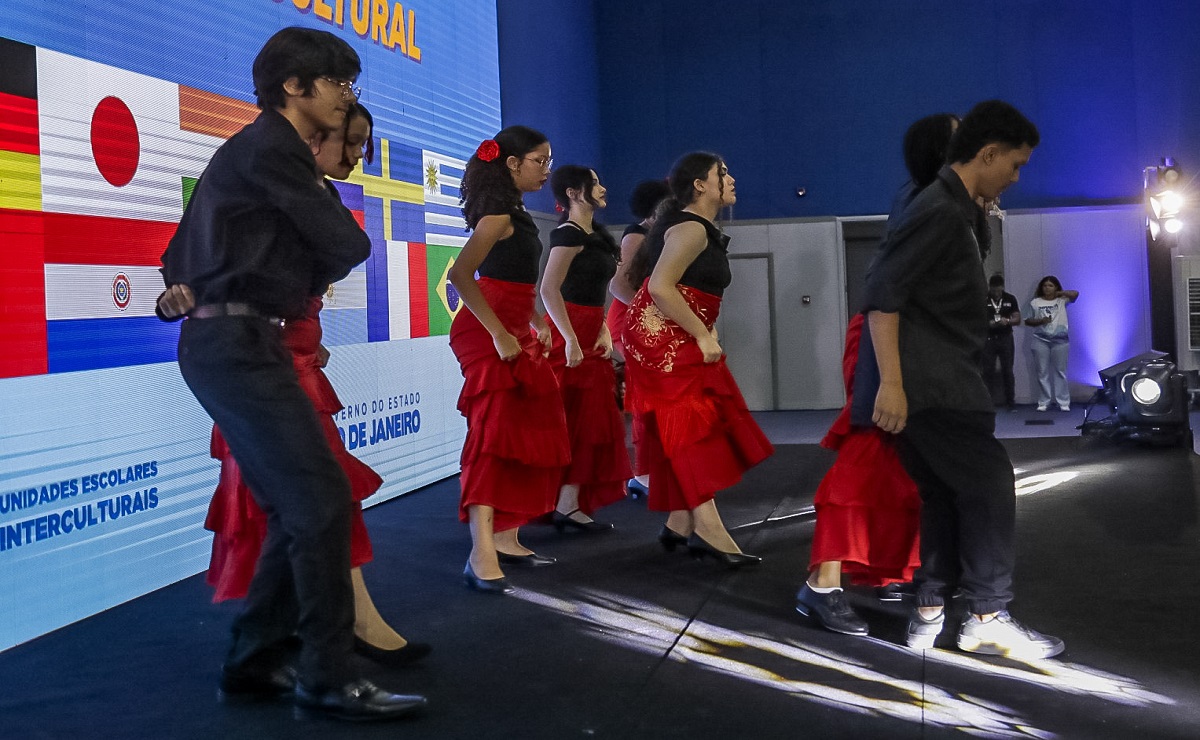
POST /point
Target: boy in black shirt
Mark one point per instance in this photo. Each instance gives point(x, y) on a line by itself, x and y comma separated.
point(1003, 314)
point(260, 235)
point(924, 294)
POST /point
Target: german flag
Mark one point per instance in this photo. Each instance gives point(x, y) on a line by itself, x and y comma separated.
point(22, 285)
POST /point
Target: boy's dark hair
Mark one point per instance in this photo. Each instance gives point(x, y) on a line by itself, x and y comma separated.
point(925, 146)
point(487, 186)
point(991, 122)
point(646, 195)
point(303, 53)
point(996, 280)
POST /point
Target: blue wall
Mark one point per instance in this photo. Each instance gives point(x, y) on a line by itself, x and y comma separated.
point(818, 93)
point(548, 80)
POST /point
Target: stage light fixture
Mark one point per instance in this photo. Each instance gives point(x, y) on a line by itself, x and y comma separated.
point(1148, 401)
point(1164, 201)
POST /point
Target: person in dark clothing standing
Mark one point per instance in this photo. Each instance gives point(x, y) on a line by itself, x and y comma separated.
point(1003, 314)
point(261, 235)
point(924, 293)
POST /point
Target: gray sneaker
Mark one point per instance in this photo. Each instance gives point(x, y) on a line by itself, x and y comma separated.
point(1003, 635)
point(923, 632)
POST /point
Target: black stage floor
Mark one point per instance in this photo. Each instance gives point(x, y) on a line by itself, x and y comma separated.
point(622, 640)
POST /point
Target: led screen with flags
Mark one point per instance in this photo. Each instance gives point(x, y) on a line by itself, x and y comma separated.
point(109, 112)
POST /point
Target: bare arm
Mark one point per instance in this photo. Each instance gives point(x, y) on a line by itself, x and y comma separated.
point(619, 286)
point(1070, 295)
point(891, 404)
point(684, 243)
point(488, 231)
point(552, 280)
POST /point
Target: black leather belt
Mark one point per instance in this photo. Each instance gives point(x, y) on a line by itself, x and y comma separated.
point(212, 310)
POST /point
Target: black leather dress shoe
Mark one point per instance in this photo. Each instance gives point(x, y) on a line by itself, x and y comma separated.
point(358, 701)
point(830, 610)
point(670, 539)
point(489, 586)
point(532, 560)
point(256, 684)
point(410, 653)
point(732, 560)
point(564, 521)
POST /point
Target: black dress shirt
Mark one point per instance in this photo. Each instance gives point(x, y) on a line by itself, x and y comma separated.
point(261, 228)
point(930, 272)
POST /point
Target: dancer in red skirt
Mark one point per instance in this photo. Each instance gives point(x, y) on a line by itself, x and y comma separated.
point(235, 518)
point(868, 509)
point(583, 259)
point(642, 204)
point(516, 445)
point(698, 435)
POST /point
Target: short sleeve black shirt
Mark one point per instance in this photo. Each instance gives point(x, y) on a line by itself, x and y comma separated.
point(586, 283)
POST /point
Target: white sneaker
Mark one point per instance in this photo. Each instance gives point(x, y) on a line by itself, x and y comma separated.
point(1064, 407)
point(1042, 407)
point(1003, 635)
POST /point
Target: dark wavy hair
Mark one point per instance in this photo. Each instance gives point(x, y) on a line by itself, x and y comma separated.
point(991, 122)
point(578, 177)
point(570, 177)
point(359, 110)
point(1037, 292)
point(925, 145)
point(681, 182)
point(487, 187)
point(647, 194)
point(303, 53)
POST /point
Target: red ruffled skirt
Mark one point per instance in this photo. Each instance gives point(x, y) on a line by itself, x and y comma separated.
point(697, 435)
point(615, 319)
point(517, 445)
point(238, 524)
point(868, 509)
point(599, 460)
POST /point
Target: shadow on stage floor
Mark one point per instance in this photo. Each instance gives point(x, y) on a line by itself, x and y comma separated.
point(624, 640)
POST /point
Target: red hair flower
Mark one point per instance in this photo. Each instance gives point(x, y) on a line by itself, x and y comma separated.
point(488, 150)
point(558, 207)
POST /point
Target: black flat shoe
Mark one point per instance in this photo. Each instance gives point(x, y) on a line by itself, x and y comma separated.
point(410, 653)
point(700, 549)
point(562, 521)
point(487, 586)
point(670, 539)
point(357, 701)
point(532, 560)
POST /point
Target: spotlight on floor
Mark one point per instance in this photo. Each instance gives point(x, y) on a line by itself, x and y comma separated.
point(1147, 399)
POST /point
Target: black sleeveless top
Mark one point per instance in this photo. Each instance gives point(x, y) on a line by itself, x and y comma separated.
point(516, 258)
point(586, 283)
point(709, 272)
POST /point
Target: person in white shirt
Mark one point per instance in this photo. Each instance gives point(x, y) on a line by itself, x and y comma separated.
point(1051, 341)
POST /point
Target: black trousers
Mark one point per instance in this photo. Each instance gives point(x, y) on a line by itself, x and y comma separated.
point(999, 347)
point(242, 374)
point(968, 507)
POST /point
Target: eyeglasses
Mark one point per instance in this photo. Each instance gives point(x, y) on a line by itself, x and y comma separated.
point(544, 162)
point(347, 87)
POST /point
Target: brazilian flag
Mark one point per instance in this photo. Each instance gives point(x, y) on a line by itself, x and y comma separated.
point(444, 302)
